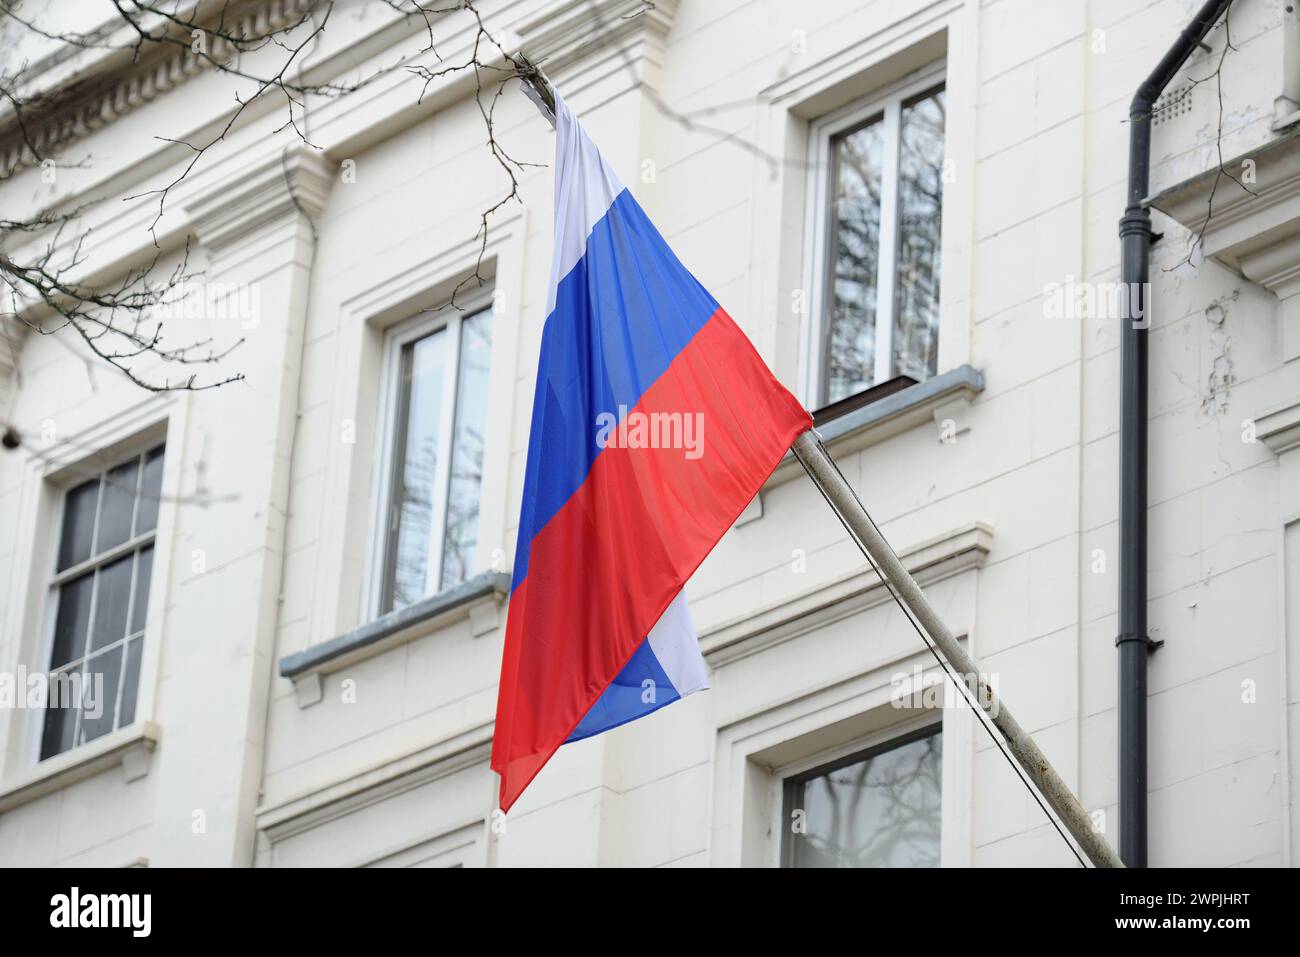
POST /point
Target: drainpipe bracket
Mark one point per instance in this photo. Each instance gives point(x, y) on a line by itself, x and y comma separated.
point(1151, 645)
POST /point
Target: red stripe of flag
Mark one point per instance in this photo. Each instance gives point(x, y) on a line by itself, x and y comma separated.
point(618, 551)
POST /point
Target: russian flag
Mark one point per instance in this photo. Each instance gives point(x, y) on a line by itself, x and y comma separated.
point(654, 424)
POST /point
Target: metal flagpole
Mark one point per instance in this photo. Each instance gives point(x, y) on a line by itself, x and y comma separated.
point(821, 469)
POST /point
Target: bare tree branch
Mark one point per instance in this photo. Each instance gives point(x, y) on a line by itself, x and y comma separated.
point(119, 323)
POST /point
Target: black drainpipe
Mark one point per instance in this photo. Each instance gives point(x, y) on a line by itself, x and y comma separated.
point(1133, 641)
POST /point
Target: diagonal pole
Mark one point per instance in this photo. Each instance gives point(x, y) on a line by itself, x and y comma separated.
point(1038, 770)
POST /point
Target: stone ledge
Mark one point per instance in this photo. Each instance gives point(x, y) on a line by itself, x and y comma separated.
point(948, 395)
point(1280, 429)
point(374, 784)
point(479, 600)
point(928, 562)
point(128, 747)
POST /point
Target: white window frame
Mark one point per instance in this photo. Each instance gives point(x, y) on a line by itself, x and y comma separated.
point(402, 334)
point(57, 579)
point(887, 103)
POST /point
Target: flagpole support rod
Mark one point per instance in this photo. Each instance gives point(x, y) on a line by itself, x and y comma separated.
point(821, 469)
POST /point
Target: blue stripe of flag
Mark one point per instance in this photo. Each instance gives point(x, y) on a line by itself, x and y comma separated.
point(622, 314)
point(624, 699)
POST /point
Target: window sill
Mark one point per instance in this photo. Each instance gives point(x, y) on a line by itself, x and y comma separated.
point(871, 396)
point(947, 396)
point(128, 747)
point(479, 600)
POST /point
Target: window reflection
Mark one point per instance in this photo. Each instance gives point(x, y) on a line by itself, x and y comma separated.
point(883, 247)
point(419, 415)
point(851, 344)
point(920, 215)
point(439, 432)
point(877, 809)
point(461, 535)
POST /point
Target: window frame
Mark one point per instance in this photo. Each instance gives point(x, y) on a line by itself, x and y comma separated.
point(55, 580)
point(396, 338)
point(886, 103)
point(825, 762)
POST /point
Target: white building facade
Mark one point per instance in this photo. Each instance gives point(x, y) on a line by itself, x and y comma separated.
point(292, 588)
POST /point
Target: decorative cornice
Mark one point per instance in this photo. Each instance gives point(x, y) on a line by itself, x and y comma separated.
point(82, 111)
point(1256, 233)
point(345, 796)
point(580, 29)
point(123, 79)
point(760, 628)
point(120, 83)
point(299, 180)
point(1280, 429)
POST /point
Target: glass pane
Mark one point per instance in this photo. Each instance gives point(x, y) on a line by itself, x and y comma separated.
point(461, 535)
point(140, 603)
point(78, 524)
point(920, 215)
point(411, 518)
point(99, 707)
point(150, 489)
point(130, 682)
point(117, 506)
point(855, 251)
point(71, 620)
point(881, 811)
point(61, 713)
point(112, 595)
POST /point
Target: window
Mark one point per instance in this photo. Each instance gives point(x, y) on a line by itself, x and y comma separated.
point(433, 455)
point(100, 593)
point(877, 211)
point(875, 808)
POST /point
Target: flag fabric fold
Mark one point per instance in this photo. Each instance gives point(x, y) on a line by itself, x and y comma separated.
point(654, 424)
